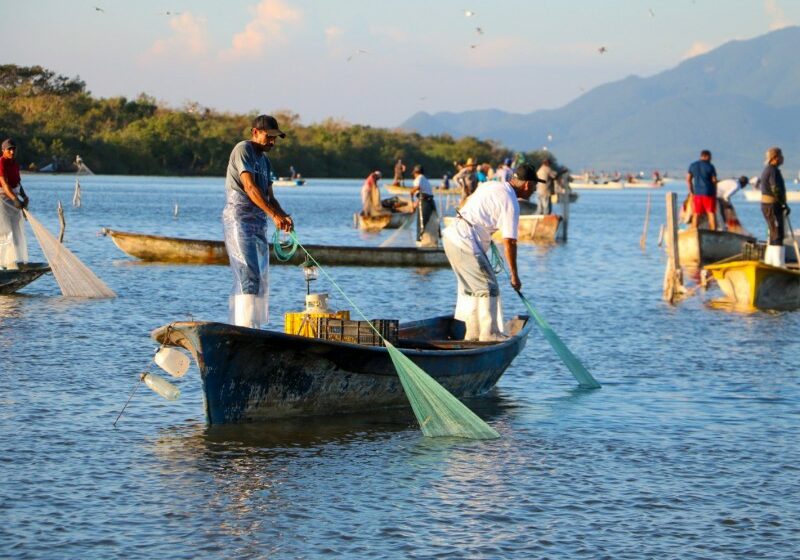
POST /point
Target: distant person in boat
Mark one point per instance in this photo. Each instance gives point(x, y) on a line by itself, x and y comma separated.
point(446, 181)
point(249, 202)
point(293, 174)
point(466, 179)
point(701, 178)
point(427, 217)
point(13, 245)
point(773, 205)
point(546, 187)
point(725, 190)
point(493, 207)
point(503, 172)
point(399, 174)
point(371, 196)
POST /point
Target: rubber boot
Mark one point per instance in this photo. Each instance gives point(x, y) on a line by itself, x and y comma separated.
point(775, 255)
point(489, 318)
point(473, 327)
point(244, 312)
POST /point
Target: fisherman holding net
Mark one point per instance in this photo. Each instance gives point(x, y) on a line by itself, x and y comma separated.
point(249, 201)
point(13, 245)
point(493, 207)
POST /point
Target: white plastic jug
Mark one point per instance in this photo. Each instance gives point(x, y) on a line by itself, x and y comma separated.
point(161, 386)
point(173, 361)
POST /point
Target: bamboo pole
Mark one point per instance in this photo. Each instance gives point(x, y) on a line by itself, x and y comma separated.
point(643, 238)
point(565, 204)
point(62, 223)
point(673, 276)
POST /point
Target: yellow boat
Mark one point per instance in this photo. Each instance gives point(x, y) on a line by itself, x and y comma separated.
point(754, 285)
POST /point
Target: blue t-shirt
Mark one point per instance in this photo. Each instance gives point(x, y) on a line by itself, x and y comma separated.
point(702, 173)
point(245, 157)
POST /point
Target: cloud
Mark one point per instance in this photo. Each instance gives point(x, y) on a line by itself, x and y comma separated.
point(189, 36)
point(270, 17)
point(775, 13)
point(697, 48)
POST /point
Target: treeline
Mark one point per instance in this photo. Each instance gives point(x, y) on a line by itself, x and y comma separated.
point(54, 118)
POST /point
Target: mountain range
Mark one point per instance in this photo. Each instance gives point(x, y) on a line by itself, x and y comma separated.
point(736, 100)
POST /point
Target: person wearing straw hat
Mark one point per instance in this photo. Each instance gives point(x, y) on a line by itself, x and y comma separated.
point(493, 207)
point(13, 245)
point(773, 205)
point(249, 200)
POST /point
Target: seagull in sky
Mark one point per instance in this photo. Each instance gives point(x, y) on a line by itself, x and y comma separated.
point(652, 13)
point(99, 9)
point(473, 46)
point(358, 52)
point(602, 50)
point(168, 13)
point(423, 98)
point(479, 30)
point(469, 13)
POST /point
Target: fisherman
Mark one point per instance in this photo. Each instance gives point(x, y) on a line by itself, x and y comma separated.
point(466, 179)
point(399, 170)
point(725, 190)
point(702, 181)
point(546, 188)
point(773, 205)
point(466, 241)
point(427, 217)
point(13, 245)
point(370, 195)
point(249, 201)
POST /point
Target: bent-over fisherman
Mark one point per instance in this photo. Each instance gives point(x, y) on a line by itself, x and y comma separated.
point(13, 245)
point(493, 207)
point(371, 195)
point(249, 200)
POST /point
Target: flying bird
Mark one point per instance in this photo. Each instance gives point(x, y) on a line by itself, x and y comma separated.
point(479, 30)
point(473, 46)
point(652, 13)
point(355, 54)
point(549, 137)
point(423, 98)
point(602, 50)
point(168, 13)
point(99, 9)
point(469, 13)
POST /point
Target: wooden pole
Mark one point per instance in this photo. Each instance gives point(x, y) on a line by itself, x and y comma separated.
point(673, 276)
point(62, 222)
point(565, 204)
point(643, 238)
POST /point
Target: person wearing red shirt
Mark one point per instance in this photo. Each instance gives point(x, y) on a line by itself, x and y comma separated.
point(13, 246)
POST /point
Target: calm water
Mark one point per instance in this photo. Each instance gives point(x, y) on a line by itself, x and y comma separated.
point(689, 450)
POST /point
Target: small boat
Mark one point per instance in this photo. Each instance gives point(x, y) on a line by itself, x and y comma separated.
point(287, 182)
point(157, 248)
point(752, 195)
point(607, 186)
point(532, 227)
point(754, 285)
point(252, 375)
point(377, 222)
point(396, 189)
point(13, 279)
point(699, 247)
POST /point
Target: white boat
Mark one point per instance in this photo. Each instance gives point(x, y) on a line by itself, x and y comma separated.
point(607, 186)
point(286, 182)
point(755, 196)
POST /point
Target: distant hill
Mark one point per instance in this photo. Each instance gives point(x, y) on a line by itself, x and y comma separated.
point(736, 100)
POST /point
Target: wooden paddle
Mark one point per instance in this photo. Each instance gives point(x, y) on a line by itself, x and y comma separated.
point(794, 239)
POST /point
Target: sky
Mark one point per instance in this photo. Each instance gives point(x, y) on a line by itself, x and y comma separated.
point(371, 62)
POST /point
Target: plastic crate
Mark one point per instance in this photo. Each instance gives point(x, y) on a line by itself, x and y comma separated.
point(753, 251)
point(358, 332)
point(305, 324)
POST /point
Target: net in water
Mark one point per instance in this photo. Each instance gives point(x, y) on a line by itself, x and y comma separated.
point(73, 277)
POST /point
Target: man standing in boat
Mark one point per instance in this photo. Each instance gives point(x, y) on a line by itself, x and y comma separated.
point(493, 207)
point(466, 179)
point(547, 176)
point(427, 217)
point(399, 170)
point(773, 205)
point(13, 246)
point(702, 181)
point(249, 200)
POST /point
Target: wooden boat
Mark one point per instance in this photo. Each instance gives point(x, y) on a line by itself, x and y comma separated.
point(286, 182)
point(753, 285)
point(156, 248)
point(377, 222)
point(699, 247)
point(532, 227)
point(251, 375)
point(396, 189)
point(607, 186)
point(13, 279)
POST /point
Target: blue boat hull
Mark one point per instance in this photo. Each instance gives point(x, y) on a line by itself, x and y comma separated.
point(252, 375)
point(12, 280)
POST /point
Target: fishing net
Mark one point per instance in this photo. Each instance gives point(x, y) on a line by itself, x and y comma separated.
point(73, 277)
point(403, 236)
point(438, 412)
point(574, 365)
